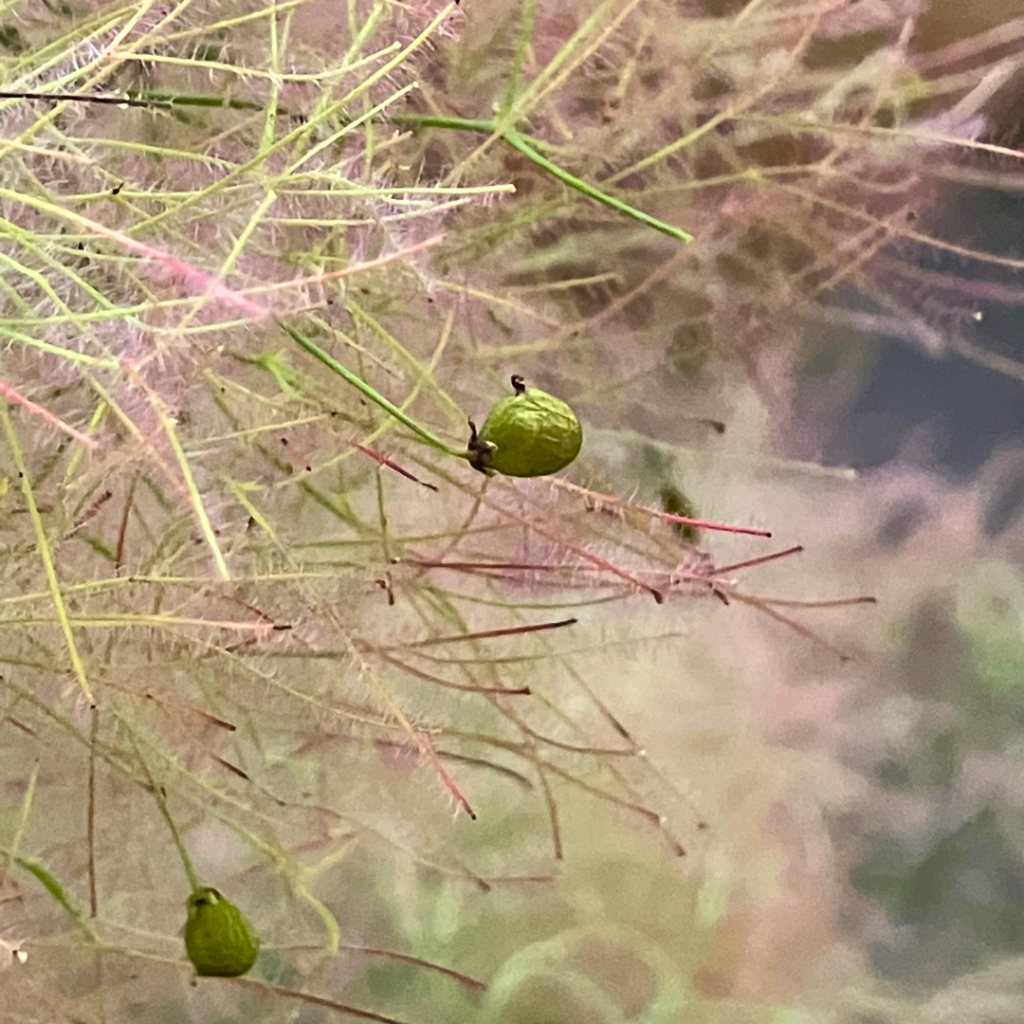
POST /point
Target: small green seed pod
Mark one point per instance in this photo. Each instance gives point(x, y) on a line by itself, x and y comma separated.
point(530, 433)
point(219, 939)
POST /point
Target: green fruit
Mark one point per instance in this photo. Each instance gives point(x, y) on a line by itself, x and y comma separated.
point(219, 939)
point(530, 433)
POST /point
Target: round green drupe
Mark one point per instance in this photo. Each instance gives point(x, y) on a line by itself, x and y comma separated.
point(530, 433)
point(219, 939)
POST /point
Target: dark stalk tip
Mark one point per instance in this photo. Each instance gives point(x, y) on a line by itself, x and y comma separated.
point(518, 384)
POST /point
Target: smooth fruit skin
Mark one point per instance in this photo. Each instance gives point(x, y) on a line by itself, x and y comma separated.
point(219, 939)
point(530, 433)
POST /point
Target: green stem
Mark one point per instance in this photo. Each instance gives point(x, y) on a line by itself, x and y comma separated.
point(528, 147)
point(45, 554)
point(464, 124)
point(516, 141)
point(161, 802)
point(54, 888)
point(371, 393)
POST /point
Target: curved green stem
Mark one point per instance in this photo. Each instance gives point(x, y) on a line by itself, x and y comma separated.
point(465, 124)
point(516, 141)
point(529, 148)
point(370, 392)
point(55, 889)
point(161, 802)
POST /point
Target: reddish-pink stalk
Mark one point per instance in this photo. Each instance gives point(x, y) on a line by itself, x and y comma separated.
point(314, 1000)
point(425, 563)
point(463, 979)
point(671, 517)
point(601, 563)
point(750, 562)
point(221, 723)
point(797, 627)
point(488, 634)
point(702, 524)
point(333, 275)
point(173, 264)
point(427, 677)
point(92, 511)
point(442, 773)
point(233, 768)
point(212, 285)
point(37, 410)
point(383, 460)
point(587, 556)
